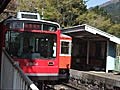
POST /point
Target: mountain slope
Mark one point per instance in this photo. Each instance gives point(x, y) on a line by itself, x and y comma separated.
point(112, 7)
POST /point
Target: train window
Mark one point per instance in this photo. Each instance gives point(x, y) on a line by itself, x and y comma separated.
point(12, 43)
point(16, 25)
point(46, 46)
point(42, 26)
point(31, 45)
point(65, 47)
point(32, 26)
point(49, 27)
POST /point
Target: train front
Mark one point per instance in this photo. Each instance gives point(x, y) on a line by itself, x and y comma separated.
point(35, 46)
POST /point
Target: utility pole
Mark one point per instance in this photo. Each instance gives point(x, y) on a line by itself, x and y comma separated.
point(42, 9)
point(42, 13)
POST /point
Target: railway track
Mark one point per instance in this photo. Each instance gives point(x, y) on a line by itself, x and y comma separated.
point(65, 86)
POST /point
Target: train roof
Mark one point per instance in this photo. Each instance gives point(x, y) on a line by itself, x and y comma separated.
point(66, 37)
point(63, 35)
point(32, 17)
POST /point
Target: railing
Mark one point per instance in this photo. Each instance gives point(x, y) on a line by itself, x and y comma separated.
point(12, 77)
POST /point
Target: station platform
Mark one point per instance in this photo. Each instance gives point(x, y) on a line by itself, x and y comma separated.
point(98, 77)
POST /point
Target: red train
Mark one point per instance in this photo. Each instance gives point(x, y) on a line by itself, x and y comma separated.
point(35, 44)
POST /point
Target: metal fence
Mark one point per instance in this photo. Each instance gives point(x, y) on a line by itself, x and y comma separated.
point(12, 77)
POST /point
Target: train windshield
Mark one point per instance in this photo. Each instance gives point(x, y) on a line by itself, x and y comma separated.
point(31, 45)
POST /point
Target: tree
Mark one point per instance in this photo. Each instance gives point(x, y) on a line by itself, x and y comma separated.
point(67, 13)
point(29, 5)
point(44, 7)
point(64, 12)
point(10, 9)
point(96, 17)
point(115, 30)
point(70, 10)
point(95, 20)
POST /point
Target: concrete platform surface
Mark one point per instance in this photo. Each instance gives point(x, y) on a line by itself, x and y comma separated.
point(97, 76)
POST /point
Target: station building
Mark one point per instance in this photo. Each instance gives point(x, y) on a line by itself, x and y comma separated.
point(92, 49)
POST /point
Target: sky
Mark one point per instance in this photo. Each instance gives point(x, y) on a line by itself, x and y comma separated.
point(92, 3)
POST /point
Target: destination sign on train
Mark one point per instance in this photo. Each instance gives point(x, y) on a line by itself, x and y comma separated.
point(29, 16)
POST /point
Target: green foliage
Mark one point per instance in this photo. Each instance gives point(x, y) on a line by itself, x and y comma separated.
point(94, 19)
point(11, 6)
point(64, 12)
point(67, 13)
point(29, 5)
point(115, 30)
point(98, 18)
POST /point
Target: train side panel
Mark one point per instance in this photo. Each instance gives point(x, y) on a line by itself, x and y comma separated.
point(65, 56)
point(64, 61)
